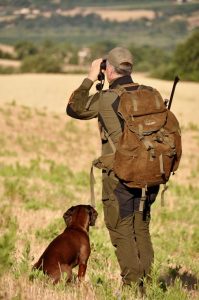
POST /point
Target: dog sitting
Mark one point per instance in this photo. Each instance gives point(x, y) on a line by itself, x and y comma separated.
point(70, 248)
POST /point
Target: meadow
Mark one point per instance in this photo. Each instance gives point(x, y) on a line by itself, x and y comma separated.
point(45, 160)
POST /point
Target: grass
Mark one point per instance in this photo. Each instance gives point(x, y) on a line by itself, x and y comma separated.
point(39, 183)
point(7, 247)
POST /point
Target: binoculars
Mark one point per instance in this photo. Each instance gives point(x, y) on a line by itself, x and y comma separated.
point(101, 77)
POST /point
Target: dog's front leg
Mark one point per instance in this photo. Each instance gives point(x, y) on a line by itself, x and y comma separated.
point(82, 271)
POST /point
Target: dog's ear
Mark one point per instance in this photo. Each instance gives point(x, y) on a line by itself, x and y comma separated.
point(68, 215)
point(93, 215)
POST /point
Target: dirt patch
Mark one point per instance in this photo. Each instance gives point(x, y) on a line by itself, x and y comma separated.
point(10, 63)
point(7, 48)
point(110, 14)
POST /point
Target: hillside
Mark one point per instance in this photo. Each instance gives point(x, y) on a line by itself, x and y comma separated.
point(132, 22)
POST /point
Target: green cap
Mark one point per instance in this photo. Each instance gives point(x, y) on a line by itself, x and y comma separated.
point(118, 56)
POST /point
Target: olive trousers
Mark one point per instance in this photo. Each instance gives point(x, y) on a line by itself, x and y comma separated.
point(129, 231)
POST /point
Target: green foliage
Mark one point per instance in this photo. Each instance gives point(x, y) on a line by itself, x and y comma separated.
point(101, 48)
point(189, 191)
point(7, 247)
point(151, 41)
point(24, 49)
point(186, 58)
point(45, 58)
point(15, 188)
point(24, 263)
point(81, 30)
point(147, 57)
point(32, 184)
point(184, 62)
point(41, 64)
point(8, 70)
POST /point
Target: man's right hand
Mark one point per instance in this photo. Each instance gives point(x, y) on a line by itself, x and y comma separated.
point(94, 70)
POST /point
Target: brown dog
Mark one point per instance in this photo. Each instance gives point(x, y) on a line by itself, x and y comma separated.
point(70, 248)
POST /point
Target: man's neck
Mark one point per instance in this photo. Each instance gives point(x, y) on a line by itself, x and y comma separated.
point(120, 81)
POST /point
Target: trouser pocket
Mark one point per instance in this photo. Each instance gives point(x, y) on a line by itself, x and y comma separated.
point(111, 212)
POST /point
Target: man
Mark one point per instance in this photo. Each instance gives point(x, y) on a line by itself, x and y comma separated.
point(128, 229)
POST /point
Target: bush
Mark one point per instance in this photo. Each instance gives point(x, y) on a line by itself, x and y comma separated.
point(186, 58)
point(24, 49)
point(8, 70)
point(147, 58)
point(6, 55)
point(41, 63)
point(184, 62)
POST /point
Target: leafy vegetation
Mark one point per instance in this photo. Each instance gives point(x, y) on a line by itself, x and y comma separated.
point(49, 57)
point(184, 62)
point(159, 45)
point(81, 30)
point(7, 240)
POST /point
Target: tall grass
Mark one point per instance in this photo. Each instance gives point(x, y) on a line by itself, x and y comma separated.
point(35, 193)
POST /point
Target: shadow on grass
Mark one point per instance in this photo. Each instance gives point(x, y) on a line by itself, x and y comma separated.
point(188, 280)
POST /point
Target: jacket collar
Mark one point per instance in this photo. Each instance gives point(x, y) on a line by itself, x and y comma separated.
point(120, 81)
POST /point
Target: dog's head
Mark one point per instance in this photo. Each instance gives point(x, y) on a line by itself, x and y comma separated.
point(92, 214)
point(75, 213)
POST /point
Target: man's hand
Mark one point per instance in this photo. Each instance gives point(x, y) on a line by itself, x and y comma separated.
point(94, 70)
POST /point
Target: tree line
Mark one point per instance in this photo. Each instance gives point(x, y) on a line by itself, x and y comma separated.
point(50, 57)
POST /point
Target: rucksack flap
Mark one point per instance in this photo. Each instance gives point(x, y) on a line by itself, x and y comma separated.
point(149, 148)
point(140, 102)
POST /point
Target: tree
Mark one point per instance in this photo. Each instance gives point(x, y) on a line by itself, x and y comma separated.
point(186, 58)
point(184, 62)
point(41, 63)
point(25, 48)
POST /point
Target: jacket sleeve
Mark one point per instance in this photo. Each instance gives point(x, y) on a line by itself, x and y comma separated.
point(81, 105)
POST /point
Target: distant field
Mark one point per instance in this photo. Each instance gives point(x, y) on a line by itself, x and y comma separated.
point(111, 14)
point(138, 22)
point(52, 92)
point(123, 14)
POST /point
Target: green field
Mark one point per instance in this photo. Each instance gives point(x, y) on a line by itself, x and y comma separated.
point(40, 179)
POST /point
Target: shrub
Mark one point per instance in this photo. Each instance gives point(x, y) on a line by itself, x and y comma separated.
point(8, 70)
point(41, 63)
point(25, 48)
point(185, 61)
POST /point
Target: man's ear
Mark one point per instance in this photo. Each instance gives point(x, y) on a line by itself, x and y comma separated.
point(93, 215)
point(68, 216)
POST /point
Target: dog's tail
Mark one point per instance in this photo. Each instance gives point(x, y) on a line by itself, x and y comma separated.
point(38, 265)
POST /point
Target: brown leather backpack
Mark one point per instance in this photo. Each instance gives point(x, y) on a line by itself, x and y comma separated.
point(149, 149)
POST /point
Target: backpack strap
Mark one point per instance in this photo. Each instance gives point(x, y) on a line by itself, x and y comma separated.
point(109, 140)
point(92, 183)
point(143, 199)
point(96, 163)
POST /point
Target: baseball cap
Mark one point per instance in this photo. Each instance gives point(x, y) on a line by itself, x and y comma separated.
point(118, 56)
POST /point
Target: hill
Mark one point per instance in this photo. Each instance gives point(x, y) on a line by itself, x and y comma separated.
point(163, 23)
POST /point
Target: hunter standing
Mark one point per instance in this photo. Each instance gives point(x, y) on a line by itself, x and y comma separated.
point(128, 228)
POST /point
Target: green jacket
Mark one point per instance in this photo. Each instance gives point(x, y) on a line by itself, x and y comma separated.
point(102, 105)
